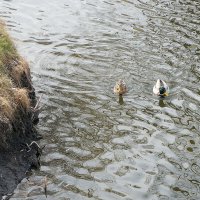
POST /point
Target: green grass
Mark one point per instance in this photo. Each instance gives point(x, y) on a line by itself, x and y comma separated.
point(6, 46)
point(8, 52)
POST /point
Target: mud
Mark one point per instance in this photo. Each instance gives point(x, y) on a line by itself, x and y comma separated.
point(21, 156)
point(14, 166)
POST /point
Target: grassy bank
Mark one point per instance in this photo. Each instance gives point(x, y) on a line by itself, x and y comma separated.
point(15, 88)
point(18, 115)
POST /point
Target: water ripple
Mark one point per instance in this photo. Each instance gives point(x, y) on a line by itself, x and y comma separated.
point(96, 148)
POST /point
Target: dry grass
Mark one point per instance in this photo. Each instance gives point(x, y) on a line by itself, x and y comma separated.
point(25, 66)
point(7, 108)
point(18, 70)
point(5, 84)
point(16, 74)
point(11, 69)
point(21, 98)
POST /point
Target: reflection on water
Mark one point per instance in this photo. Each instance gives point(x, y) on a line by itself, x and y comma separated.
point(98, 146)
point(121, 100)
point(162, 102)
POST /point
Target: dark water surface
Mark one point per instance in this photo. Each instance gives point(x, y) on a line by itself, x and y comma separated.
point(96, 148)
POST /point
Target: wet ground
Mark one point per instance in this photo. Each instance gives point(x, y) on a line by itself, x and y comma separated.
point(96, 148)
point(15, 165)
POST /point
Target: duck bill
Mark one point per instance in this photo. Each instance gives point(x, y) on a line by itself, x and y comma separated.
point(166, 94)
point(163, 95)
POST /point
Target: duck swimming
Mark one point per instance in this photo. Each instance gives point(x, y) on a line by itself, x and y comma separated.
point(161, 88)
point(120, 87)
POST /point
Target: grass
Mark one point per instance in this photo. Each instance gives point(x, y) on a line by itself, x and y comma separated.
point(21, 98)
point(12, 66)
point(8, 52)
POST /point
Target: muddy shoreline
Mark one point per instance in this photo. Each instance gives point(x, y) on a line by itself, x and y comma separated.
point(15, 164)
point(19, 110)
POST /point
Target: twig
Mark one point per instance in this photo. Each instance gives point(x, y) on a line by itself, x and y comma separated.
point(45, 186)
point(38, 102)
point(29, 146)
point(36, 110)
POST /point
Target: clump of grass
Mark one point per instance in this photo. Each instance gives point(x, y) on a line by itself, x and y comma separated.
point(7, 105)
point(7, 108)
point(21, 98)
point(8, 52)
point(18, 71)
point(16, 74)
point(5, 84)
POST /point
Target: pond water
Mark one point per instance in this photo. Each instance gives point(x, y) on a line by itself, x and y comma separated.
point(96, 147)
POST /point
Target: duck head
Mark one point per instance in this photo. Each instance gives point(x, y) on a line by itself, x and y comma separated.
point(161, 89)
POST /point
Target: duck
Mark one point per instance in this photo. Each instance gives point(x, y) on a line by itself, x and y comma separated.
point(120, 87)
point(161, 88)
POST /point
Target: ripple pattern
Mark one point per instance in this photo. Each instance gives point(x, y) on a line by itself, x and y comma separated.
point(96, 148)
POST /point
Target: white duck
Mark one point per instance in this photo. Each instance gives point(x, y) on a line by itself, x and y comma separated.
point(161, 88)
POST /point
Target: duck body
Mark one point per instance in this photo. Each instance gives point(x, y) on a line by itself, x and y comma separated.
point(120, 87)
point(161, 88)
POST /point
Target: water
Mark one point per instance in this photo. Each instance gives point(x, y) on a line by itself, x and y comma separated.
point(96, 148)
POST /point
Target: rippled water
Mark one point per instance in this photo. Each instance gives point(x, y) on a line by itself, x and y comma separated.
point(96, 148)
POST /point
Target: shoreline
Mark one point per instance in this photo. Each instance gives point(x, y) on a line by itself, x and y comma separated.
point(19, 112)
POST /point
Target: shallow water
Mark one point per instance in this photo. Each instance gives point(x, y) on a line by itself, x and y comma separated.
point(96, 147)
